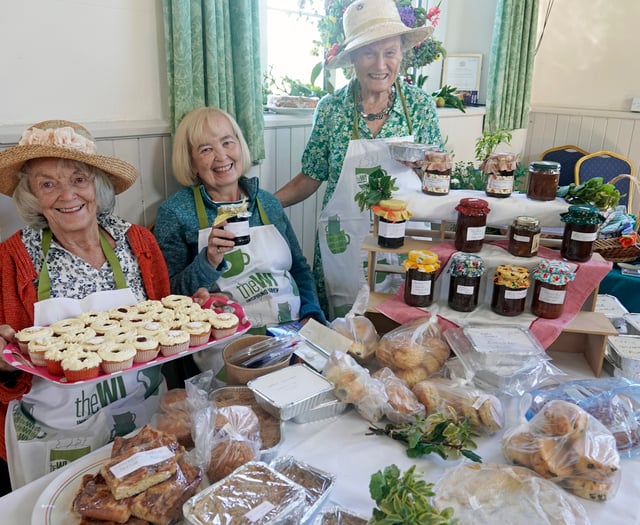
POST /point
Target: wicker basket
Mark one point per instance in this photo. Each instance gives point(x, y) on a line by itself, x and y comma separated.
point(611, 249)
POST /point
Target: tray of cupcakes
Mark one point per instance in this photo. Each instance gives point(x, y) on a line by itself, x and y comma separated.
point(98, 344)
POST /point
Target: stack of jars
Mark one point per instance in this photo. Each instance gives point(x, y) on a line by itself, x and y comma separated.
point(421, 267)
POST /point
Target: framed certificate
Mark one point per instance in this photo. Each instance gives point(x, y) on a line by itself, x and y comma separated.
point(462, 71)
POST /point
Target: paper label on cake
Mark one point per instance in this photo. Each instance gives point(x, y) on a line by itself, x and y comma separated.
point(324, 337)
point(260, 511)
point(141, 459)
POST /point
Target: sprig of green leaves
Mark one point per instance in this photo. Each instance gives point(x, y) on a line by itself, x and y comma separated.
point(378, 188)
point(593, 192)
point(437, 434)
point(403, 499)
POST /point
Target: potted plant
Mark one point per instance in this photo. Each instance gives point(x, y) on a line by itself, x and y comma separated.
point(392, 214)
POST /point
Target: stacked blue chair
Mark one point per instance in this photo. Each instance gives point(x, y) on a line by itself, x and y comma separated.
point(608, 165)
point(567, 155)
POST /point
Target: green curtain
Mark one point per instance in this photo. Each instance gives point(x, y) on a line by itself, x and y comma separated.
point(213, 59)
point(511, 64)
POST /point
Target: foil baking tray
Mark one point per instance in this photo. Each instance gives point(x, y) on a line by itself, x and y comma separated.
point(332, 407)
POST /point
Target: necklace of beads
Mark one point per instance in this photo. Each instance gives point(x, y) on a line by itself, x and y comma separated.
point(380, 115)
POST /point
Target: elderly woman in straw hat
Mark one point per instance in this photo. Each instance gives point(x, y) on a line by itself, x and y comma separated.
point(376, 104)
point(73, 255)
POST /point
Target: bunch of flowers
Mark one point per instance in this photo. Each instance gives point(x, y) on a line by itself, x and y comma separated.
point(332, 34)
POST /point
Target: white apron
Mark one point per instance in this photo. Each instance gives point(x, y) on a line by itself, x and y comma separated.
point(258, 277)
point(342, 227)
point(53, 425)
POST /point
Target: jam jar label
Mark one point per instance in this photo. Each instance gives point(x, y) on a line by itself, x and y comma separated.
point(552, 296)
point(584, 236)
point(420, 287)
point(500, 184)
point(391, 230)
point(475, 233)
point(465, 290)
point(515, 294)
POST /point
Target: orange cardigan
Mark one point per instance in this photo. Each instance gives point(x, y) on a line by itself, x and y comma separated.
point(18, 294)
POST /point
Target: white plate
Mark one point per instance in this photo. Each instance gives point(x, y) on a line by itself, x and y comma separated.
point(54, 504)
point(291, 111)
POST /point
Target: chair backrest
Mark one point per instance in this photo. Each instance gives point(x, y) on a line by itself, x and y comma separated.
point(567, 156)
point(607, 164)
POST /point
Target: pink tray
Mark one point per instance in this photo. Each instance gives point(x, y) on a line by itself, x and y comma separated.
point(14, 357)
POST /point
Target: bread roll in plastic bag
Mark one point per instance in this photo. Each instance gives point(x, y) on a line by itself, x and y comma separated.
point(403, 405)
point(358, 328)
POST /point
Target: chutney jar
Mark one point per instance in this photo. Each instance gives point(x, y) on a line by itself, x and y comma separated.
point(421, 267)
point(464, 286)
point(551, 278)
point(542, 180)
point(510, 287)
point(499, 168)
point(239, 224)
point(524, 236)
point(471, 224)
point(436, 179)
point(393, 215)
point(581, 226)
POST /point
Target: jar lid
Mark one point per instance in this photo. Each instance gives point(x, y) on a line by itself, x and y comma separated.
point(393, 210)
point(553, 272)
point(580, 214)
point(499, 162)
point(527, 222)
point(421, 260)
point(512, 276)
point(544, 165)
point(473, 206)
point(466, 265)
point(437, 161)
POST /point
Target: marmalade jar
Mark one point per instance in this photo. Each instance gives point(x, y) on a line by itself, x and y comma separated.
point(421, 267)
point(543, 179)
point(471, 224)
point(549, 290)
point(581, 226)
point(499, 168)
point(437, 173)
point(510, 287)
point(239, 224)
point(524, 236)
point(464, 287)
point(393, 216)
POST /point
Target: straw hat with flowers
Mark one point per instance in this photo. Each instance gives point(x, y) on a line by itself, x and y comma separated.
point(64, 140)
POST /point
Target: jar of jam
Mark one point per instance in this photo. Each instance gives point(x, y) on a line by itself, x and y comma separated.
point(524, 236)
point(436, 179)
point(581, 225)
point(510, 287)
point(542, 181)
point(499, 168)
point(421, 267)
point(471, 224)
point(393, 215)
point(549, 289)
point(239, 224)
point(466, 271)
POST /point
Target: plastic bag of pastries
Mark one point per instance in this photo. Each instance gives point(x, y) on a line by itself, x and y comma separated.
point(354, 384)
point(567, 445)
point(174, 416)
point(485, 411)
point(414, 350)
point(355, 326)
point(403, 405)
point(614, 401)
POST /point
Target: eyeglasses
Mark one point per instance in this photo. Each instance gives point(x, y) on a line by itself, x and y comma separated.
point(77, 182)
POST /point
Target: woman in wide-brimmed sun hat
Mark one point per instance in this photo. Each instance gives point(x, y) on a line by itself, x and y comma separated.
point(376, 104)
point(73, 255)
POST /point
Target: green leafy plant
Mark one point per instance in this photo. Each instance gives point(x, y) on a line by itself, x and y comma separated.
point(445, 435)
point(487, 143)
point(379, 187)
point(403, 499)
point(465, 176)
point(593, 192)
point(446, 97)
point(289, 86)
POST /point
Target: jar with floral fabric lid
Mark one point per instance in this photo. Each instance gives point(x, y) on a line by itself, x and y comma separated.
point(393, 215)
point(466, 271)
point(421, 267)
point(550, 288)
point(499, 168)
point(524, 236)
point(542, 180)
point(510, 287)
point(436, 179)
point(581, 225)
point(471, 224)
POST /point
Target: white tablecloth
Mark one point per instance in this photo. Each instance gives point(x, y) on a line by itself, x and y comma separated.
point(341, 446)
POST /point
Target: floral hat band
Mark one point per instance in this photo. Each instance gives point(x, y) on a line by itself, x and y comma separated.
point(64, 140)
point(369, 21)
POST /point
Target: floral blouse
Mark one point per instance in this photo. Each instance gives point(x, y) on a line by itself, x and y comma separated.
point(333, 123)
point(72, 276)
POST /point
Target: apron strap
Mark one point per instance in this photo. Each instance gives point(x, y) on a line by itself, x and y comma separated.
point(263, 214)
point(44, 281)
point(200, 211)
point(355, 133)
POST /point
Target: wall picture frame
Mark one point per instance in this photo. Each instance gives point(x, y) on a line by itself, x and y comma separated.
point(462, 71)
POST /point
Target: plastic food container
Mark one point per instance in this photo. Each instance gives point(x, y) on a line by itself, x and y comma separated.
point(409, 151)
point(271, 428)
point(325, 410)
point(253, 493)
point(340, 516)
point(317, 483)
point(633, 323)
point(624, 352)
point(289, 392)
